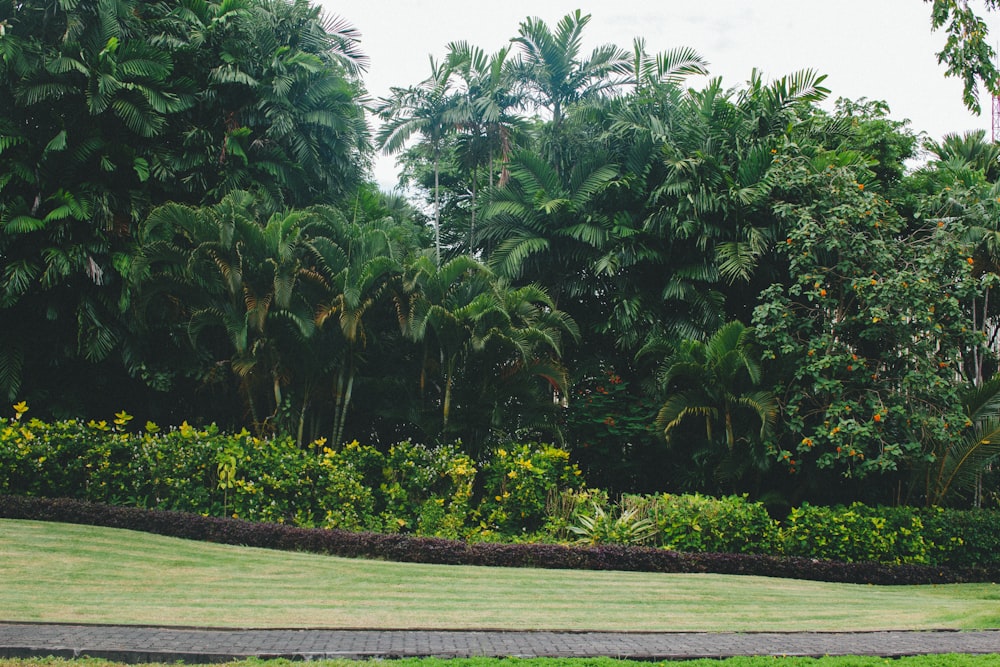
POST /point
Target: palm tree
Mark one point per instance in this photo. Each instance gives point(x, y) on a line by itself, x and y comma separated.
point(464, 311)
point(487, 127)
point(427, 109)
point(556, 75)
point(668, 68)
point(112, 108)
point(542, 225)
point(441, 309)
point(356, 267)
point(957, 464)
point(712, 381)
point(237, 278)
point(710, 188)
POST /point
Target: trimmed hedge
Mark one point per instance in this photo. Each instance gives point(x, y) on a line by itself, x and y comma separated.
point(404, 548)
point(410, 488)
point(524, 492)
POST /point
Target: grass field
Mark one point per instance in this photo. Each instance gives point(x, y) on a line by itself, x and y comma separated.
point(70, 573)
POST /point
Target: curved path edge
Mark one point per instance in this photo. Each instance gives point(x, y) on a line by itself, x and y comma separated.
point(137, 644)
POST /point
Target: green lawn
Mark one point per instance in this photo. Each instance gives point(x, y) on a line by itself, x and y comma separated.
point(69, 573)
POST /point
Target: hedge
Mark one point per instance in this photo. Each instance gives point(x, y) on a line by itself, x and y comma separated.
point(523, 492)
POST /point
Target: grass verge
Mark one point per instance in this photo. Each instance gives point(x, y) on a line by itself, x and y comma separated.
point(73, 573)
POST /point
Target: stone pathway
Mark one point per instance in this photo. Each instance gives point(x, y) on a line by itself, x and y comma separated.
point(136, 644)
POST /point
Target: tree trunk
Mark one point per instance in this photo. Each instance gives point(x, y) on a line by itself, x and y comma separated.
point(448, 381)
point(437, 210)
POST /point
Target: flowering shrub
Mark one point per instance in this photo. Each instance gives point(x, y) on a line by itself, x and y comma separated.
point(411, 488)
point(427, 491)
point(529, 491)
point(519, 480)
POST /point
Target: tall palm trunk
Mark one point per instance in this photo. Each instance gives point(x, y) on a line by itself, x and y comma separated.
point(448, 383)
point(342, 400)
point(437, 208)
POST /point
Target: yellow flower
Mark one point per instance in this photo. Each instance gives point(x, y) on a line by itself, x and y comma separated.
point(20, 409)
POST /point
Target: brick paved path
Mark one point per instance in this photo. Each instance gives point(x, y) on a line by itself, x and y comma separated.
point(147, 644)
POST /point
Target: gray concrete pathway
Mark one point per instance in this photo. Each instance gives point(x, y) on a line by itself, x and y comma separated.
point(136, 644)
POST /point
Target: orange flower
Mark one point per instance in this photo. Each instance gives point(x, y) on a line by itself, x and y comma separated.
point(861, 186)
point(970, 260)
point(877, 417)
point(822, 292)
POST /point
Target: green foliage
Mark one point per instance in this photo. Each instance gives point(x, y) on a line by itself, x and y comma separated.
point(427, 491)
point(410, 488)
point(610, 423)
point(113, 108)
point(529, 491)
point(856, 534)
point(866, 343)
point(731, 524)
point(967, 52)
point(519, 480)
point(598, 526)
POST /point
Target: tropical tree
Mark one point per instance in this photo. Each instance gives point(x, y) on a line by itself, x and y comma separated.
point(236, 277)
point(957, 464)
point(111, 108)
point(868, 345)
point(967, 52)
point(555, 70)
point(428, 109)
point(557, 75)
point(357, 269)
point(488, 126)
point(715, 382)
point(470, 319)
point(668, 68)
point(541, 225)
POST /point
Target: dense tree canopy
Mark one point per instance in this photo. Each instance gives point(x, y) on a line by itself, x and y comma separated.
point(690, 285)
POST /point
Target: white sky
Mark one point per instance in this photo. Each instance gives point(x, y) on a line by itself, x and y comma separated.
point(879, 49)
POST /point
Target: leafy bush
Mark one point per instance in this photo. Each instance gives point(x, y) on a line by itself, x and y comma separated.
point(411, 488)
point(427, 491)
point(405, 548)
point(519, 481)
point(731, 524)
point(623, 527)
point(528, 492)
point(962, 538)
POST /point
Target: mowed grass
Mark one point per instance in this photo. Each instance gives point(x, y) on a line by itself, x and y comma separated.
point(68, 573)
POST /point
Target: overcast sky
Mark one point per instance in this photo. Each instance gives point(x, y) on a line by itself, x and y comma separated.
point(879, 49)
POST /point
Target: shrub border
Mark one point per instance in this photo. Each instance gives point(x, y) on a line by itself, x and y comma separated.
point(410, 549)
